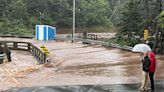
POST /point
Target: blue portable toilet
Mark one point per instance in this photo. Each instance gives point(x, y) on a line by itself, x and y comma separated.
point(45, 32)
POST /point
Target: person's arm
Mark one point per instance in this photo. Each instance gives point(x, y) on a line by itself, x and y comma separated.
point(147, 64)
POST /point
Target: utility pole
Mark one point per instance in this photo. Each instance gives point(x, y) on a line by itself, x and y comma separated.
point(40, 17)
point(73, 32)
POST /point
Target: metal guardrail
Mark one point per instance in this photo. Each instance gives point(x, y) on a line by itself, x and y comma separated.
point(16, 36)
point(15, 45)
point(96, 42)
point(25, 46)
point(2, 56)
point(37, 53)
point(124, 47)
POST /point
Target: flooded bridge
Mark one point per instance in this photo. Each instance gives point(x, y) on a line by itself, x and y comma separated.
point(74, 64)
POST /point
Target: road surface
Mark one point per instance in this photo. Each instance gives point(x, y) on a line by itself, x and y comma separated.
point(76, 64)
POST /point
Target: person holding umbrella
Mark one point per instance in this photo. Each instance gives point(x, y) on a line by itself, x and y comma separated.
point(145, 71)
point(145, 49)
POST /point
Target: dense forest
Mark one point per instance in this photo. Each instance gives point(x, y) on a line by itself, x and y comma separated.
point(19, 16)
point(128, 17)
point(138, 15)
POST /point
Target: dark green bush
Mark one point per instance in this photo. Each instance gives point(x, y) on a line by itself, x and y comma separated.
point(125, 41)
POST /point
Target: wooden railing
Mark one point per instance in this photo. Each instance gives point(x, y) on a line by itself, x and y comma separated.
point(25, 46)
point(89, 36)
point(92, 36)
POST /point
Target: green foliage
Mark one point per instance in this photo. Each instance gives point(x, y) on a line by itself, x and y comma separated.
point(7, 28)
point(18, 16)
point(131, 21)
point(94, 13)
point(161, 19)
point(17, 10)
point(124, 41)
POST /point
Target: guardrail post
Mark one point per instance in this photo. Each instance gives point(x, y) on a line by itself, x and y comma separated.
point(15, 45)
point(29, 46)
point(44, 58)
point(95, 37)
point(91, 36)
point(85, 35)
point(0, 45)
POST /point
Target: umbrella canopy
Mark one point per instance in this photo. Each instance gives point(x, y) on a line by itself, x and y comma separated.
point(141, 48)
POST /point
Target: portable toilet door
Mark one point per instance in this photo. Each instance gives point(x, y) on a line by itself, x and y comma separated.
point(40, 32)
point(51, 33)
point(45, 32)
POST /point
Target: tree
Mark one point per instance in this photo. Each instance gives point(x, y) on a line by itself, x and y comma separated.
point(93, 13)
point(17, 11)
point(161, 20)
point(4, 8)
point(131, 21)
point(159, 9)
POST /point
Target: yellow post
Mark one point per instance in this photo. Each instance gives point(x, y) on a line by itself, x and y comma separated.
point(146, 34)
point(44, 49)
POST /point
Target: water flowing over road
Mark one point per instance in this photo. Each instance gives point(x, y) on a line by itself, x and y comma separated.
point(75, 64)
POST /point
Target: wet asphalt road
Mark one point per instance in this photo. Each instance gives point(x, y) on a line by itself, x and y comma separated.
point(159, 87)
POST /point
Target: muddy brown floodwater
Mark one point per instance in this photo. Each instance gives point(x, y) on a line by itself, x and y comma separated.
point(76, 64)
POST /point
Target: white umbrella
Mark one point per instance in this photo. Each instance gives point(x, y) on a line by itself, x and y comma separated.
point(141, 48)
